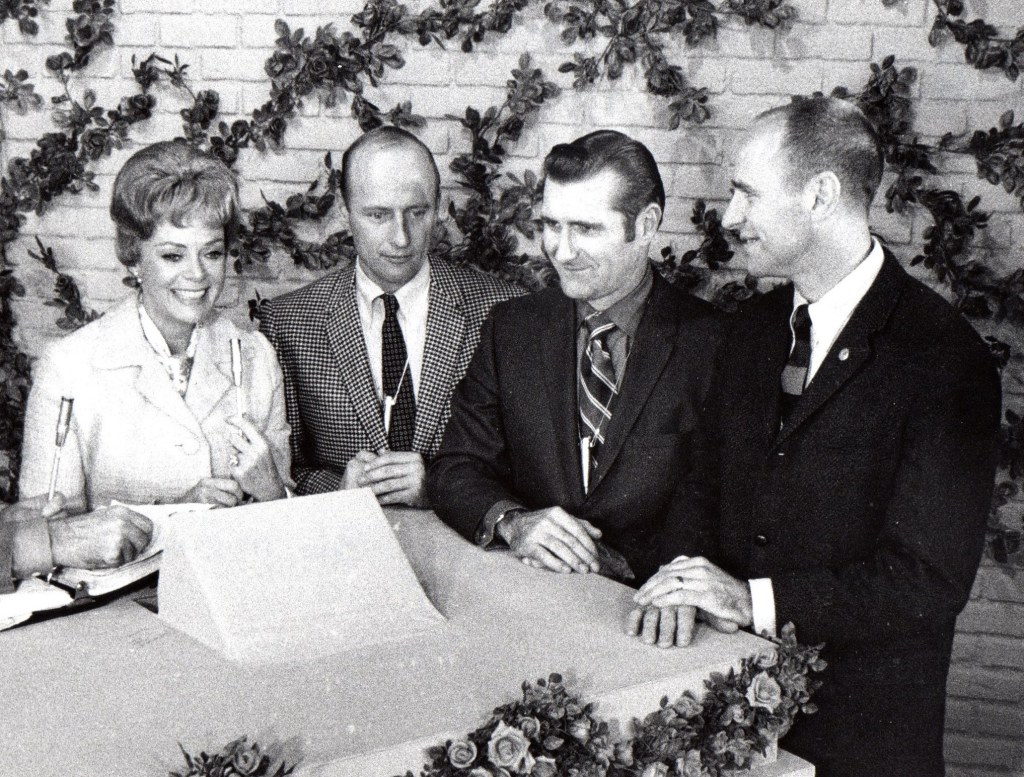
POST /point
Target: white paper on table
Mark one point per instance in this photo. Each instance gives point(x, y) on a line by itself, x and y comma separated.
point(96, 582)
point(31, 595)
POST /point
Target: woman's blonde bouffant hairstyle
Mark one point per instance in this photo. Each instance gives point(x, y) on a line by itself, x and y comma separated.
point(171, 182)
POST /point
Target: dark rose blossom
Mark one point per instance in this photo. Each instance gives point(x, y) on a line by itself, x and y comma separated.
point(461, 754)
point(95, 143)
point(318, 67)
point(687, 706)
point(138, 107)
point(530, 727)
point(764, 692)
point(247, 759)
point(279, 63)
point(275, 130)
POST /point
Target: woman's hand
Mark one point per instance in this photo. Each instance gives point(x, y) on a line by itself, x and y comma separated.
point(219, 492)
point(253, 465)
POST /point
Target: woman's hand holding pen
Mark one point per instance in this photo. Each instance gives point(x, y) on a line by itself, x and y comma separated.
point(252, 465)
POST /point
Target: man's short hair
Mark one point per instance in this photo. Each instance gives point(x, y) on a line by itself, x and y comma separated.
point(386, 136)
point(639, 180)
point(172, 182)
point(828, 134)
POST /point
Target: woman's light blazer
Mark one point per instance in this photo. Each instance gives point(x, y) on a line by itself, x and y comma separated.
point(133, 437)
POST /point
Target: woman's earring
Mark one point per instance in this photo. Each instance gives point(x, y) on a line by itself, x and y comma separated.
point(132, 281)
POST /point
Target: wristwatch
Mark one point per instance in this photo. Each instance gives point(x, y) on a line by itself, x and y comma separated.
point(507, 514)
point(487, 535)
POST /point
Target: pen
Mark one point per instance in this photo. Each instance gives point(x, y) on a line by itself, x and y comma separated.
point(585, 443)
point(389, 401)
point(236, 372)
point(389, 404)
point(63, 424)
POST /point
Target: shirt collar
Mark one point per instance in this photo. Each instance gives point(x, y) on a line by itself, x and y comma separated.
point(627, 312)
point(835, 307)
point(413, 291)
point(156, 339)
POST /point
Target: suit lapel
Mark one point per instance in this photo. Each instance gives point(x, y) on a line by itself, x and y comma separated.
point(126, 348)
point(446, 329)
point(211, 370)
point(558, 360)
point(155, 387)
point(345, 335)
point(652, 346)
point(853, 346)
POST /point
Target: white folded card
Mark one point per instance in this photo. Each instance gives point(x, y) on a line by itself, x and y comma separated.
point(291, 580)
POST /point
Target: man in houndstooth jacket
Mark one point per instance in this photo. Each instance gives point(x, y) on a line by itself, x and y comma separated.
point(331, 336)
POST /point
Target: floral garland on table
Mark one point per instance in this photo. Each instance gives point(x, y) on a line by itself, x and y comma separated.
point(551, 733)
point(239, 758)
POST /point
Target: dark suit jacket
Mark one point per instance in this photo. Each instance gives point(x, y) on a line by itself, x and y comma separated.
point(867, 511)
point(331, 401)
point(514, 435)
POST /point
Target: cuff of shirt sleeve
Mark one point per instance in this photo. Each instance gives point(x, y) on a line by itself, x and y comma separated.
point(762, 600)
point(485, 536)
point(31, 545)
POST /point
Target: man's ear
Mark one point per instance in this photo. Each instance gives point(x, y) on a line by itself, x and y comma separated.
point(823, 193)
point(647, 222)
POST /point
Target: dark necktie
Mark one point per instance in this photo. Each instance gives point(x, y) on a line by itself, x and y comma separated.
point(396, 380)
point(597, 386)
point(794, 374)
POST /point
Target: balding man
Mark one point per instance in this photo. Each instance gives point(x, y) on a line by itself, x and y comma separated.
point(845, 467)
point(372, 353)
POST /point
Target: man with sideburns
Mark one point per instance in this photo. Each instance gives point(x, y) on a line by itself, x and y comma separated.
point(572, 424)
point(843, 472)
point(371, 353)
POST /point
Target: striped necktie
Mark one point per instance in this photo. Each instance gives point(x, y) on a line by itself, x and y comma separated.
point(396, 380)
point(597, 385)
point(794, 374)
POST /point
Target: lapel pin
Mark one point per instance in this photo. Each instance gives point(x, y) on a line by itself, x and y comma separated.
point(844, 354)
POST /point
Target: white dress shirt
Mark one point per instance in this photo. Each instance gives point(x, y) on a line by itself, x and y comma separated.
point(829, 316)
point(413, 303)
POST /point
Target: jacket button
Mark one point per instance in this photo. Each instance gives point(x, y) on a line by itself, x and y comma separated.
point(760, 540)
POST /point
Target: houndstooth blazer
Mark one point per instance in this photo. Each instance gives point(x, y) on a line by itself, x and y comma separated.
point(331, 401)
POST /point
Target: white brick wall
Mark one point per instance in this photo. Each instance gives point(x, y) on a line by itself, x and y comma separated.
point(747, 70)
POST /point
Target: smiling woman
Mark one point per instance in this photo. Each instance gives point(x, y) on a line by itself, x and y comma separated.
point(156, 409)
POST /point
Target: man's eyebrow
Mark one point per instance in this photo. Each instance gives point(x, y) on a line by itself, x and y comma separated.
point(743, 187)
point(552, 220)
